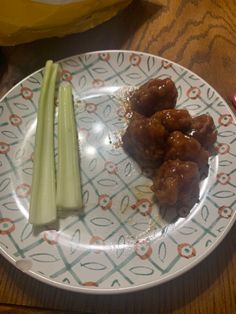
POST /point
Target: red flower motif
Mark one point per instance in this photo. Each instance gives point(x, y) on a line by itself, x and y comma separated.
point(223, 178)
point(97, 241)
point(15, 120)
point(186, 250)
point(66, 75)
point(104, 201)
point(225, 119)
point(110, 167)
point(23, 190)
point(135, 59)
point(193, 92)
point(6, 226)
point(143, 249)
point(90, 284)
point(4, 148)
point(223, 149)
point(51, 237)
point(104, 56)
point(26, 93)
point(98, 83)
point(225, 212)
point(144, 206)
point(166, 64)
point(90, 107)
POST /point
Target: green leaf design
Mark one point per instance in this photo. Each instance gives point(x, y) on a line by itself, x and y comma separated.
point(120, 58)
point(107, 182)
point(19, 153)
point(4, 184)
point(224, 194)
point(85, 197)
point(226, 133)
point(94, 266)
point(204, 212)
point(107, 111)
point(114, 152)
point(92, 164)
point(9, 134)
point(134, 76)
point(162, 251)
point(208, 242)
point(141, 270)
point(193, 77)
point(150, 63)
point(66, 281)
point(44, 258)
point(187, 230)
point(225, 163)
point(100, 70)
point(71, 63)
point(180, 92)
point(128, 168)
point(1, 110)
point(124, 203)
point(33, 80)
point(26, 232)
point(21, 106)
point(82, 81)
point(10, 206)
point(143, 189)
point(28, 171)
point(75, 239)
point(120, 251)
point(101, 222)
point(192, 107)
point(87, 119)
point(140, 226)
point(210, 93)
point(115, 283)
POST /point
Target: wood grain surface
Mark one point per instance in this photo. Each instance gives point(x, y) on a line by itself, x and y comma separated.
point(200, 35)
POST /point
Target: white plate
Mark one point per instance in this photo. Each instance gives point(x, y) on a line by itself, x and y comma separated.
point(122, 243)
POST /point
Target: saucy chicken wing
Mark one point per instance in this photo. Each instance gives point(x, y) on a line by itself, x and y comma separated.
point(203, 129)
point(144, 140)
point(186, 148)
point(155, 95)
point(177, 182)
point(174, 119)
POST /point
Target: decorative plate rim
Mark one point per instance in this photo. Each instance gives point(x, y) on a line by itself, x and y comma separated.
point(136, 287)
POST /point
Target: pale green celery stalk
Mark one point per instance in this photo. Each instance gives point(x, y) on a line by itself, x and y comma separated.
point(69, 194)
point(43, 195)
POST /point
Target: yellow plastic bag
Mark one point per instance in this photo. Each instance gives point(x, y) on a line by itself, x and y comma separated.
point(27, 20)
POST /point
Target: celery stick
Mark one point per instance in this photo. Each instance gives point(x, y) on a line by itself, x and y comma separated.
point(69, 194)
point(43, 195)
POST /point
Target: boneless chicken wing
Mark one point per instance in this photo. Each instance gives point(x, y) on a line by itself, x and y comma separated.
point(144, 140)
point(186, 148)
point(174, 119)
point(177, 183)
point(203, 129)
point(155, 95)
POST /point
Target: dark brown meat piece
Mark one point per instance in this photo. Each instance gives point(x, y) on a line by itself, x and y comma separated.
point(144, 140)
point(155, 95)
point(174, 119)
point(203, 129)
point(186, 148)
point(177, 183)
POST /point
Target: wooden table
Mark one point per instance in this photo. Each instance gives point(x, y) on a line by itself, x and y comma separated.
point(200, 35)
